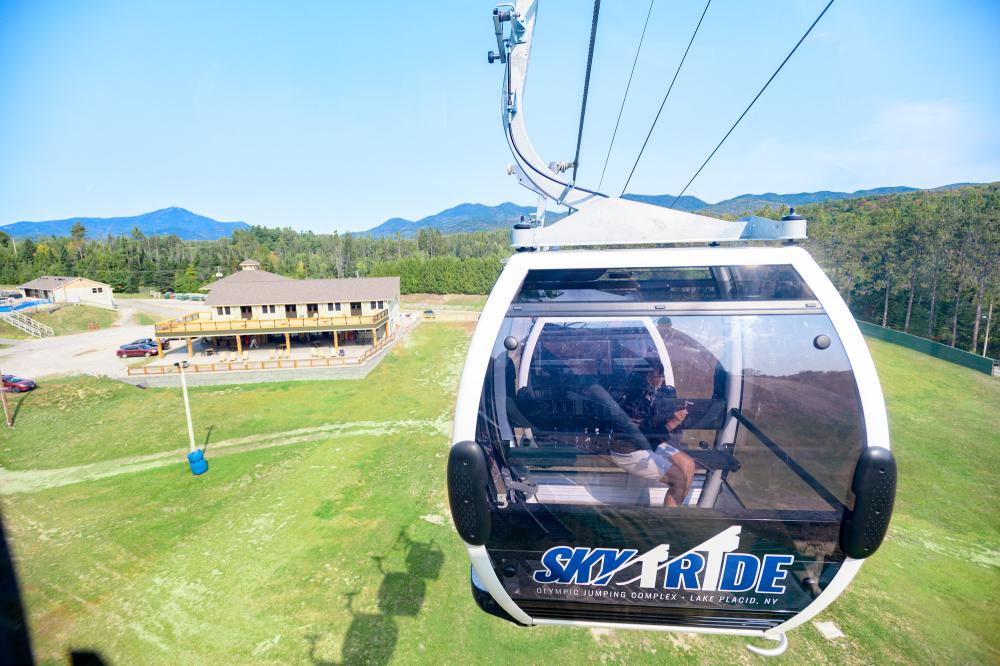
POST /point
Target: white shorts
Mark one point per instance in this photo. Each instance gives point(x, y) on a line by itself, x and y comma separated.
point(650, 465)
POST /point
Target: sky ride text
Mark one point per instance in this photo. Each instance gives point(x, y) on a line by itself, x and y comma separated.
point(712, 566)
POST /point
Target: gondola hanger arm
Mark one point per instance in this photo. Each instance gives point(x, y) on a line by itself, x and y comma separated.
point(597, 219)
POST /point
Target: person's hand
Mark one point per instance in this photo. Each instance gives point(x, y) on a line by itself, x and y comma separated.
point(677, 418)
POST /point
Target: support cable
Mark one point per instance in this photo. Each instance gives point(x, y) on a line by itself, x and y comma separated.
point(625, 96)
point(663, 103)
point(745, 111)
point(586, 86)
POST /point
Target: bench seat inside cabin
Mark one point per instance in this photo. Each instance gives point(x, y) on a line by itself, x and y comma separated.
point(565, 475)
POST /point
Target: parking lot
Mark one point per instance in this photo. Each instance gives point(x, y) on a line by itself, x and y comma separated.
point(93, 352)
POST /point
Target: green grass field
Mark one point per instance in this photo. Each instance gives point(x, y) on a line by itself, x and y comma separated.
point(443, 301)
point(321, 533)
point(76, 319)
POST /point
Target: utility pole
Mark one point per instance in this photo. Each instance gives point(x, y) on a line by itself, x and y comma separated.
point(197, 457)
point(6, 408)
point(989, 320)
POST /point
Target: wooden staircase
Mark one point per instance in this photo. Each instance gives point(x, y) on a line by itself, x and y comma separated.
point(27, 324)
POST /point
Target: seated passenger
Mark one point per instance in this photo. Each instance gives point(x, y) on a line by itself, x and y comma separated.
point(655, 411)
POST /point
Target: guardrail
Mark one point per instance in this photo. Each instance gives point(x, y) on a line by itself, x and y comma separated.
point(944, 352)
point(279, 364)
point(27, 324)
point(195, 323)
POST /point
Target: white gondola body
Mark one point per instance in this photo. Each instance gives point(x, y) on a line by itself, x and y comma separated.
point(554, 491)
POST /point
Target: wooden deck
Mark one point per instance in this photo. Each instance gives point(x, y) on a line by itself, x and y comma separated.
point(201, 323)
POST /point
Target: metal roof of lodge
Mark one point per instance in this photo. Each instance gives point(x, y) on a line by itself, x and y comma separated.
point(247, 278)
point(50, 282)
point(278, 290)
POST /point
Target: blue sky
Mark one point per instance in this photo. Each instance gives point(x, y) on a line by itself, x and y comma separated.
point(338, 115)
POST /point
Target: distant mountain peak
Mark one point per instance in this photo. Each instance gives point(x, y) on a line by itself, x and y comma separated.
point(469, 217)
point(164, 221)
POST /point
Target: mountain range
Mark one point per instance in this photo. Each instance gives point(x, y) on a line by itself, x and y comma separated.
point(479, 217)
point(466, 217)
point(177, 221)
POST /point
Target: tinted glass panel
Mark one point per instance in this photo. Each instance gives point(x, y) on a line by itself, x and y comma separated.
point(644, 411)
point(716, 283)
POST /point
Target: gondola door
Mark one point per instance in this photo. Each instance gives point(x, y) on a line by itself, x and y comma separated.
point(662, 446)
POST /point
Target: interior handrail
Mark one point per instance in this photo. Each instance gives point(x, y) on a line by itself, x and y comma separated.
point(783, 456)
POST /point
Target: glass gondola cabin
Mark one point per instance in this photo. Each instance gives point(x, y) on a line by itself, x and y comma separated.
point(688, 439)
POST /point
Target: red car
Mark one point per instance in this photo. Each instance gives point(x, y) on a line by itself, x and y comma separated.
point(15, 384)
point(141, 349)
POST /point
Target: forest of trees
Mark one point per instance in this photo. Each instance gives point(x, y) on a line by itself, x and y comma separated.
point(927, 263)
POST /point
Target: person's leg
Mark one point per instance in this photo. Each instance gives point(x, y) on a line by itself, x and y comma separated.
point(679, 478)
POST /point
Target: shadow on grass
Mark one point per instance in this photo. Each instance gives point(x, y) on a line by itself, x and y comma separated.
point(17, 407)
point(371, 638)
point(208, 436)
point(86, 658)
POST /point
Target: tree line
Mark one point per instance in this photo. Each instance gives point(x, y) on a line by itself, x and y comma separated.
point(927, 263)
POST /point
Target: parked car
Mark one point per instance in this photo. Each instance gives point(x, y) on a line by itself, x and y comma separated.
point(127, 351)
point(15, 384)
point(429, 314)
point(150, 342)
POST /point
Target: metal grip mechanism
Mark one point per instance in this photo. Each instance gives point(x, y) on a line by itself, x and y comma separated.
point(468, 481)
point(874, 488)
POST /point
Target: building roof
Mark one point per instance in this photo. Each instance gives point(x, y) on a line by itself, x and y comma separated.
point(285, 290)
point(52, 282)
point(247, 278)
point(249, 262)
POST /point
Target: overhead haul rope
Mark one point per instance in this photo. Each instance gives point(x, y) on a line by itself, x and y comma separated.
point(625, 96)
point(586, 86)
point(671, 87)
point(745, 111)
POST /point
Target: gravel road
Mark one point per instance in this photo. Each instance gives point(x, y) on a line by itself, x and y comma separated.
point(93, 352)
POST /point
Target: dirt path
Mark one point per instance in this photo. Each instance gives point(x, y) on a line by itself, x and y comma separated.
point(35, 480)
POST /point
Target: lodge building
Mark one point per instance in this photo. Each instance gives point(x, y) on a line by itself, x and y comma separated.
point(255, 307)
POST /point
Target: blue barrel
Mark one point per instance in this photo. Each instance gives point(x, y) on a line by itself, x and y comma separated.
point(198, 463)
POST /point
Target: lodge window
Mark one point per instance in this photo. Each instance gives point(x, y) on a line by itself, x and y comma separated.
point(97, 290)
point(372, 305)
point(269, 309)
point(329, 307)
point(291, 312)
point(312, 309)
point(337, 306)
point(381, 304)
point(219, 310)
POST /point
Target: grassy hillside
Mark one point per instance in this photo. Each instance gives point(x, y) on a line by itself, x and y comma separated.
point(328, 541)
point(65, 321)
point(76, 319)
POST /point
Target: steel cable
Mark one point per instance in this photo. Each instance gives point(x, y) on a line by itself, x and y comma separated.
point(745, 111)
point(663, 103)
point(625, 96)
point(586, 86)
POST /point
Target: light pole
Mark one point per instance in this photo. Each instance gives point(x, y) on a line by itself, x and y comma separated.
point(6, 407)
point(197, 457)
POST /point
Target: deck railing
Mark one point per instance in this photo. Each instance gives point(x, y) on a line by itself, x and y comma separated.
point(197, 323)
point(279, 364)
